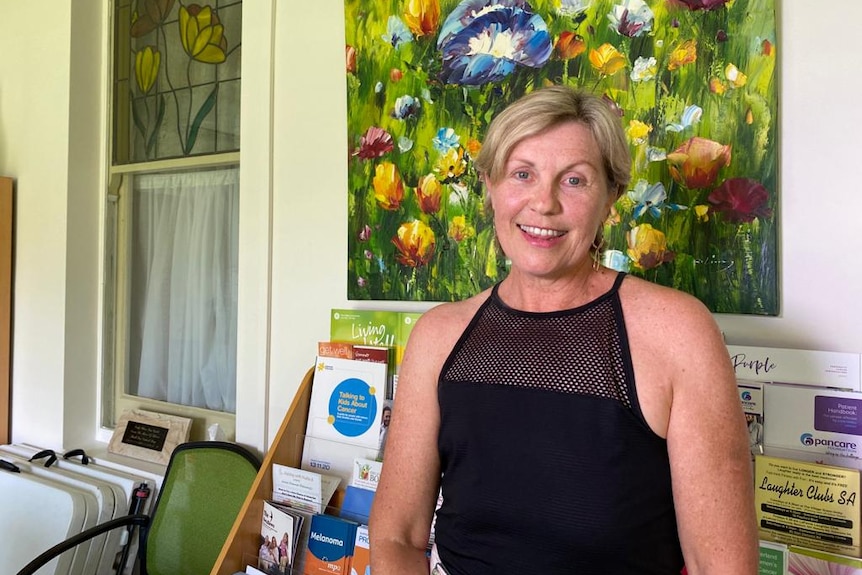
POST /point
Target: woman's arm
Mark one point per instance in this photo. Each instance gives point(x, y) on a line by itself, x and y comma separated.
point(400, 521)
point(707, 442)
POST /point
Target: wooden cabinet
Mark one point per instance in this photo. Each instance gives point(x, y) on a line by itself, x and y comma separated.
point(243, 542)
point(6, 219)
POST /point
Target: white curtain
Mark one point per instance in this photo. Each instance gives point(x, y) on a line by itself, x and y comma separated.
point(184, 288)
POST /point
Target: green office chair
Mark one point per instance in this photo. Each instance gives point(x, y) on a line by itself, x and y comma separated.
point(205, 485)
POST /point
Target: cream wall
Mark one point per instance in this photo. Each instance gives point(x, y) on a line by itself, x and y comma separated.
point(49, 142)
point(292, 253)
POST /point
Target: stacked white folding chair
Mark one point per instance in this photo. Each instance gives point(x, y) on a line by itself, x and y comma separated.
point(41, 512)
point(88, 493)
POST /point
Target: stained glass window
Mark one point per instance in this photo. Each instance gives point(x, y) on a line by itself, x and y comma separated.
point(176, 79)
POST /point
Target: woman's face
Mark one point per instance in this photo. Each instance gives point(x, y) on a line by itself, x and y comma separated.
point(550, 201)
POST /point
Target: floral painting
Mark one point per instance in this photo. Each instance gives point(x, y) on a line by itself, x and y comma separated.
point(693, 82)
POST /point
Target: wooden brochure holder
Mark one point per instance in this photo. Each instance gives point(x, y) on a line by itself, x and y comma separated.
point(243, 541)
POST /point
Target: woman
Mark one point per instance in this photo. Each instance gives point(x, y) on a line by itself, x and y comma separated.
point(578, 420)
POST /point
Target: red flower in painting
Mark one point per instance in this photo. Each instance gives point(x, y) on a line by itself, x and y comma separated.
point(569, 45)
point(374, 143)
point(696, 162)
point(741, 200)
point(350, 56)
point(701, 4)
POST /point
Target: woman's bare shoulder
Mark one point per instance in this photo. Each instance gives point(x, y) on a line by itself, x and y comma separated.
point(458, 312)
point(653, 299)
point(441, 325)
point(657, 311)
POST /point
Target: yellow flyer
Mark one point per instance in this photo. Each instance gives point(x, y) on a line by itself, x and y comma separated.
point(808, 504)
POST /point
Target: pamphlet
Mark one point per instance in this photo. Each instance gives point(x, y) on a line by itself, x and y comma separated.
point(345, 416)
point(808, 504)
point(366, 473)
point(278, 540)
point(302, 489)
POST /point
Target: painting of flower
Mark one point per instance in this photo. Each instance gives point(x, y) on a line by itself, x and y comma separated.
point(692, 81)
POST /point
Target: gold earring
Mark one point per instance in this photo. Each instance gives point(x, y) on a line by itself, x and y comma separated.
point(597, 246)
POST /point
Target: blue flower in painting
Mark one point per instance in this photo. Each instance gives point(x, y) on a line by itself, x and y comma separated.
point(406, 107)
point(397, 32)
point(482, 41)
point(445, 140)
point(650, 198)
point(690, 116)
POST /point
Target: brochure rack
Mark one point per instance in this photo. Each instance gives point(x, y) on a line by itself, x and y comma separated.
point(243, 540)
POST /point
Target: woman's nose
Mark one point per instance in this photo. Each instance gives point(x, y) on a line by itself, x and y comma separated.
point(545, 198)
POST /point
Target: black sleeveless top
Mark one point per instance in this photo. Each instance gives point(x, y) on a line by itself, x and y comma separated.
point(548, 464)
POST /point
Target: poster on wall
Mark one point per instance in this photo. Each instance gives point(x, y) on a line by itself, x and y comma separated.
point(693, 82)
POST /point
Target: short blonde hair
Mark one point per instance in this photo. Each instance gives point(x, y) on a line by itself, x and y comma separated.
point(547, 108)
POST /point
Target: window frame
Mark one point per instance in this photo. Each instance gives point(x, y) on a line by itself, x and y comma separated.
point(114, 398)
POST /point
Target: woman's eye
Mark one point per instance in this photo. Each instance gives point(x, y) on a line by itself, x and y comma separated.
point(522, 175)
point(573, 181)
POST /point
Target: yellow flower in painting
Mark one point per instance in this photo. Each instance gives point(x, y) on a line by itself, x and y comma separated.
point(716, 86)
point(607, 60)
point(460, 230)
point(202, 34)
point(648, 247)
point(451, 164)
point(734, 76)
point(696, 162)
point(415, 242)
point(388, 186)
point(638, 131)
point(702, 213)
point(147, 68)
point(684, 53)
point(473, 146)
point(429, 191)
point(422, 16)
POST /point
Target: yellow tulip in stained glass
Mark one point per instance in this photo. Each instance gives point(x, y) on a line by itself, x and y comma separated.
point(147, 68)
point(202, 34)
